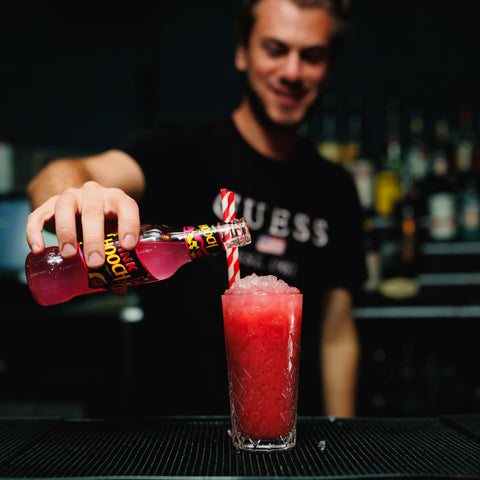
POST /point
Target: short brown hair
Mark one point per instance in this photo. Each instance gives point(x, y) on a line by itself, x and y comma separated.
point(337, 8)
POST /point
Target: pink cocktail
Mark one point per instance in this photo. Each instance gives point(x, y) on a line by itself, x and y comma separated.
point(262, 322)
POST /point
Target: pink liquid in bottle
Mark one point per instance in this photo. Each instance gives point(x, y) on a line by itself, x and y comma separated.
point(160, 252)
point(53, 279)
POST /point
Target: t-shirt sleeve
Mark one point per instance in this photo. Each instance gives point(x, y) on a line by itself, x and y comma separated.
point(151, 148)
point(162, 153)
point(348, 267)
point(340, 262)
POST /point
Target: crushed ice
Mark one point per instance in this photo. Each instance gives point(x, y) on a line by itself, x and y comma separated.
point(263, 284)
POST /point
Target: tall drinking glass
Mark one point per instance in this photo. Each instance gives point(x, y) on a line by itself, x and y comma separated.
point(262, 338)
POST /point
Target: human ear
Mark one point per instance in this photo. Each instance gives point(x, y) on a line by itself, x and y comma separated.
point(240, 58)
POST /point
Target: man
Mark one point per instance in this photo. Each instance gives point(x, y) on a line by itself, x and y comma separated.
point(302, 210)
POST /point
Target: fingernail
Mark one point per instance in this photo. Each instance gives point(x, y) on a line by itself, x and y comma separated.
point(69, 250)
point(129, 240)
point(95, 259)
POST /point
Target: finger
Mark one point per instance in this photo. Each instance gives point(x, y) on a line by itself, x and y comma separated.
point(35, 223)
point(93, 219)
point(128, 221)
point(66, 209)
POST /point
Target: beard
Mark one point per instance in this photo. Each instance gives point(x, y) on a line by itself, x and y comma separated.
point(258, 108)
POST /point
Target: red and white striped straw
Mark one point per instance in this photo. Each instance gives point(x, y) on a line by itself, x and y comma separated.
point(228, 209)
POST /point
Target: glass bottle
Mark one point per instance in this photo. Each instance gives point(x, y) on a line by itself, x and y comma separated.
point(388, 188)
point(330, 146)
point(439, 188)
point(417, 158)
point(160, 252)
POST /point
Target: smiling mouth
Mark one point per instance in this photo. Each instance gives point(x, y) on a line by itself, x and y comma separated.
point(288, 98)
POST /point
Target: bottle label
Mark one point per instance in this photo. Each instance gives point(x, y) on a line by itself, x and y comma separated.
point(122, 268)
point(203, 240)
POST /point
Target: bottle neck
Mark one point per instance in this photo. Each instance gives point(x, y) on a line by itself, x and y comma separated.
point(202, 240)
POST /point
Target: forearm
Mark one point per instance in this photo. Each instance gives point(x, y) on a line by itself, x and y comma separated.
point(93, 191)
point(339, 353)
point(339, 363)
point(55, 178)
point(111, 169)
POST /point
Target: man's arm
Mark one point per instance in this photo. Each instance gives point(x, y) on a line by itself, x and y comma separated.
point(112, 168)
point(92, 189)
point(339, 354)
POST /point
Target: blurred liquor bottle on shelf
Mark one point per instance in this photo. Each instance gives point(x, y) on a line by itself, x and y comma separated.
point(6, 167)
point(356, 156)
point(409, 207)
point(401, 269)
point(387, 192)
point(407, 214)
point(476, 150)
point(417, 156)
point(466, 177)
point(400, 256)
point(373, 258)
point(439, 187)
point(470, 213)
point(400, 253)
point(397, 210)
point(412, 204)
point(352, 147)
point(387, 180)
point(393, 144)
point(464, 149)
point(330, 146)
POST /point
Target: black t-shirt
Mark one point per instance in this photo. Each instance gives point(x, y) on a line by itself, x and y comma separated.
point(305, 221)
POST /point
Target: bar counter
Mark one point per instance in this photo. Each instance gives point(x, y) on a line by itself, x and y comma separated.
point(181, 447)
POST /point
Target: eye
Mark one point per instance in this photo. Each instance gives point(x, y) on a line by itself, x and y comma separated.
point(315, 55)
point(274, 48)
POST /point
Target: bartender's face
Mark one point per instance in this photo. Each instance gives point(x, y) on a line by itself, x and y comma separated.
point(285, 61)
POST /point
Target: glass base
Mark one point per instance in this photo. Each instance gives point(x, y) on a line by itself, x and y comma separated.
point(278, 444)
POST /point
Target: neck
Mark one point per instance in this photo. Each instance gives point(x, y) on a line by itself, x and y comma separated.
point(273, 144)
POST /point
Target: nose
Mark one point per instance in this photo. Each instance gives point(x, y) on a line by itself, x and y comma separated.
point(292, 68)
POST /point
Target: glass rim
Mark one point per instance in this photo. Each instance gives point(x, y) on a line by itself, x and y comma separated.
point(256, 294)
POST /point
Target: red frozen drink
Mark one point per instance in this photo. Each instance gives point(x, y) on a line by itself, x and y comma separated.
point(262, 321)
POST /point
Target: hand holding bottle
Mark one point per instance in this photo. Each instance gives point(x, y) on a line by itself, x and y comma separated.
point(93, 205)
point(160, 252)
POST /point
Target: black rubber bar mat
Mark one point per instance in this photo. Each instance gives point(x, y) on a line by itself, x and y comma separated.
point(200, 447)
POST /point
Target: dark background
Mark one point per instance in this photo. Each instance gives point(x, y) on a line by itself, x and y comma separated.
point(87, 76)
point(77, 78)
